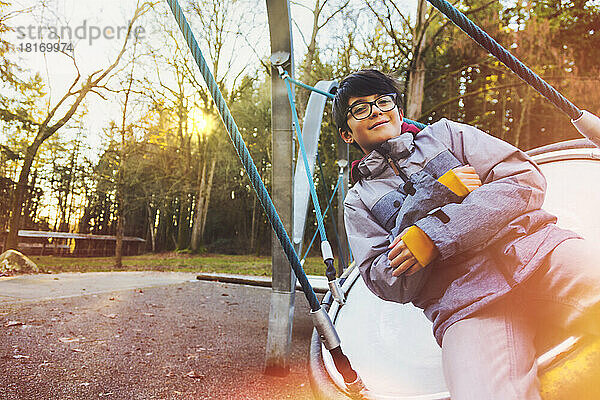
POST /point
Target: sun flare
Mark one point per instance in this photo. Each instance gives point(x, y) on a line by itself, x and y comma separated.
point(197, 121)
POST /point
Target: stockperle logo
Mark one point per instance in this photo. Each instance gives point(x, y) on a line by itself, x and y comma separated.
point(83, 31)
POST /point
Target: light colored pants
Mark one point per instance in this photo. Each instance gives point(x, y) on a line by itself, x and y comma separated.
point(491, 355)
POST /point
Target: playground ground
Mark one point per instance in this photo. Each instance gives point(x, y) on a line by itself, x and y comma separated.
point(142, 335)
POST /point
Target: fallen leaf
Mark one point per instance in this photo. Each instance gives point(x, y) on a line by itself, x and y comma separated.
point(14, 323)
point(194, 374)
point(111, 316)
point(78, 350)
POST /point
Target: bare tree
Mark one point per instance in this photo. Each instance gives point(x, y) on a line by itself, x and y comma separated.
point(323, 12)
point(413, 41)
point(52, 123)
point(122, 155)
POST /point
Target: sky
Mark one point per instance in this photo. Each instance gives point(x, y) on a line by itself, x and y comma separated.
point(78, 23)
point(92, 29)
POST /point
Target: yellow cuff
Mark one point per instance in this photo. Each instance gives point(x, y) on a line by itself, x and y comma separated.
point(420, 245)
point(451, 181)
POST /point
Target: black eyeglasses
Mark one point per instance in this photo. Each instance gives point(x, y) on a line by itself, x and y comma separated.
point(363, 110)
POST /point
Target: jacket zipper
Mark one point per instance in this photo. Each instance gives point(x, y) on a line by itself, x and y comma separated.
point(392, 164)
point(408, 186)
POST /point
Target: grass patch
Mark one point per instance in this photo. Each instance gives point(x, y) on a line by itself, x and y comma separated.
point(231, 264)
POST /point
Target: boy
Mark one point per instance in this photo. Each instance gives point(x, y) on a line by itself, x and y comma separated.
point(449, 219)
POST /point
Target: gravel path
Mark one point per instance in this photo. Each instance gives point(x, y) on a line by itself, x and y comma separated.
point(194, 340)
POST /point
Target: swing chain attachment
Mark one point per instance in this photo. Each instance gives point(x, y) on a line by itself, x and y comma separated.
point(332, 281)
point(337, 292)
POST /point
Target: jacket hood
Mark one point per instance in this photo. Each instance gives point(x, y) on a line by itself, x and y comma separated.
point(374, 163)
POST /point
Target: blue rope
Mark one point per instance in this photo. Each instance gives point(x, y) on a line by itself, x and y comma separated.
point(334, 223)
point(313, 192)
point(325, 213)
point(488, 43)
point(245, 157)
point(304, 85)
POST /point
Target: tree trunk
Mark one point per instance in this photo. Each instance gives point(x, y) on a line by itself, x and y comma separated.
point(151, 219)
point(199, 212)
point(208, 190)
point(416, 78)
point(253, 226)
point(416, 89)
point(17, 203)
point(119, 243)
point(503, 119)
point(521, 122)
point(183, 222)
point(71, 191)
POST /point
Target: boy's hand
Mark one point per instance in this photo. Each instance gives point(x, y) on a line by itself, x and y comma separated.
point(401, 258)
point(467, 176)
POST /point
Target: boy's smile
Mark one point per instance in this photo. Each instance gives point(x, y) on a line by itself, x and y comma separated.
point(378, 127)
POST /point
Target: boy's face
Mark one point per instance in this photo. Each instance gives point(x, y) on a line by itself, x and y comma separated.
point(375, 129)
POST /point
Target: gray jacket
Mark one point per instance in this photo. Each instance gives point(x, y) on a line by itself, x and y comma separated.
point(488, 242)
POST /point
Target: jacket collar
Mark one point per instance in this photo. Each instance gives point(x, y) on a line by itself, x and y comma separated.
point(375, 162)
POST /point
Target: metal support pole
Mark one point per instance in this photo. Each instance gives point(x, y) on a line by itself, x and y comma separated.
point(281, 313)
point(343, 155)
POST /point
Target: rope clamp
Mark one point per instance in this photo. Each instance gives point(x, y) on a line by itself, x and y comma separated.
point(325, 329)
point(337, 292)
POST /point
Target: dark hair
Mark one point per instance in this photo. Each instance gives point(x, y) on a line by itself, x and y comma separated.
point(365, 82)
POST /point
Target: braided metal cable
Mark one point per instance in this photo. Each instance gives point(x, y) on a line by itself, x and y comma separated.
point(524, 72)
point(245, 157)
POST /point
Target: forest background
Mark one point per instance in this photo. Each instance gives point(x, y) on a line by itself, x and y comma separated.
point(125, 139)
